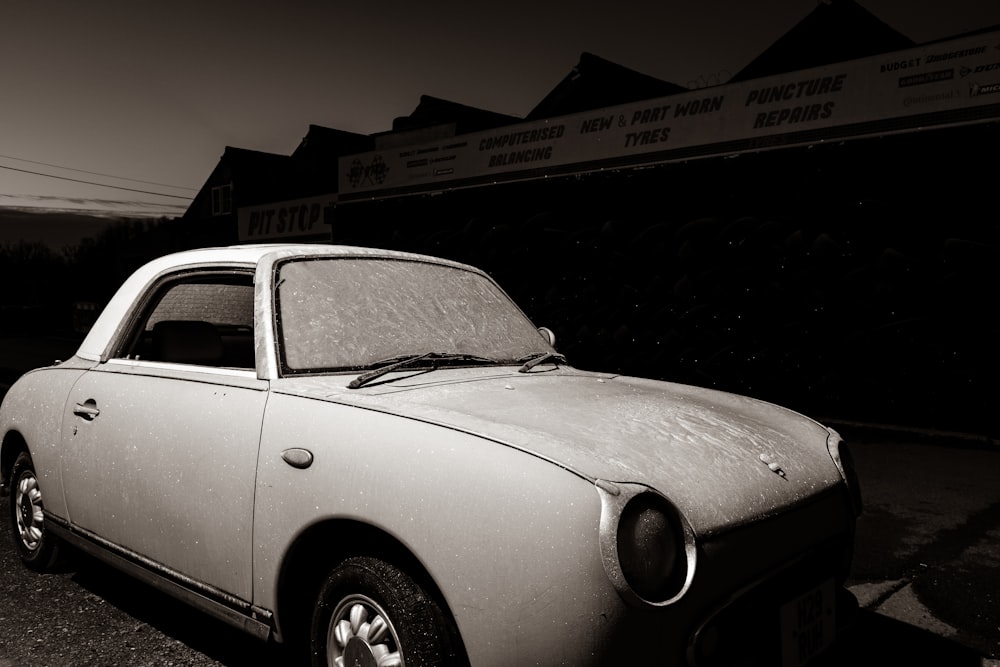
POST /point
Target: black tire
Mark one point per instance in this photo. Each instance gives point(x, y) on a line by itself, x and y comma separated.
point(368, 589)
point(36, 546)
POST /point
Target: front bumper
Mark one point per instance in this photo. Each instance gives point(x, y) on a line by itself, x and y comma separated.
point(750, 590)
point(784, 619)
point(786, 612)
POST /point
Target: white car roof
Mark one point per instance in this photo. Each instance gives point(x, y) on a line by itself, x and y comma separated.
point(238, 256)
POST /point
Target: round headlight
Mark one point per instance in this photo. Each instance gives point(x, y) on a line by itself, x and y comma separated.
point(651, 549)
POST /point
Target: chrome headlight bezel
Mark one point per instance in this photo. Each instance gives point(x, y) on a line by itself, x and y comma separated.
point(619, 500)
point(841, 455)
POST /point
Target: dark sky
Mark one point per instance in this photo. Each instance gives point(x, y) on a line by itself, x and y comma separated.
point(153, 92)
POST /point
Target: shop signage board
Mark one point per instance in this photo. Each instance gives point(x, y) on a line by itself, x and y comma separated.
point(294, 220)
point(945, 83)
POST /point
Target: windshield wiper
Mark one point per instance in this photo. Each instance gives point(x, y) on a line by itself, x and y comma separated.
point(539, 358)
point(412, 359)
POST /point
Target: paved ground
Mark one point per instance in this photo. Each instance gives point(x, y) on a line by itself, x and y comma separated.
point(928, 545)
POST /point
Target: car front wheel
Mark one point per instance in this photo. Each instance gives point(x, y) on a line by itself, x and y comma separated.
point(371, 614)
point(37, 547)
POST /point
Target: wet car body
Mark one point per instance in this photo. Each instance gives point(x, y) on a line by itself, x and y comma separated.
point(357, 422)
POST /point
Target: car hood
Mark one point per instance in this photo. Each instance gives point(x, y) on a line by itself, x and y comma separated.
point(706, 450)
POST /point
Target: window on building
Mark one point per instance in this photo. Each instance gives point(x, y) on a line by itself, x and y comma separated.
point(222, 199)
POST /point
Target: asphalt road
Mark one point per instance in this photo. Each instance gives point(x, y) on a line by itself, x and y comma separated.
point(927, 575)
point(927, 562)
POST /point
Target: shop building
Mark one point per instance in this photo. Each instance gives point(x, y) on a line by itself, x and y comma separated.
point(819, 217)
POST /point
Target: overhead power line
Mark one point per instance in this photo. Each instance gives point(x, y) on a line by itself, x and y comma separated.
point(102, 185)
point(95, 173)
point(97, 207)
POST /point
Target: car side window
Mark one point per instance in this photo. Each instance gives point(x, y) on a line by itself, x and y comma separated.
point(202, 320)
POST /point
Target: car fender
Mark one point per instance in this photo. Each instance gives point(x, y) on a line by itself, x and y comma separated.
point(34, 407)
point(529, 528)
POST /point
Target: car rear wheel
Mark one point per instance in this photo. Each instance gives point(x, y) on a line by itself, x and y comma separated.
point(370, 614)
point(36, 546)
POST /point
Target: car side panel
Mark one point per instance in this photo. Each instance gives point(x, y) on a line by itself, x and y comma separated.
point(511, 539)
point(33, 407)
point(167, 468)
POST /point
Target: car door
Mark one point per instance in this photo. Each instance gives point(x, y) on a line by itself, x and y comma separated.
point(160, 440)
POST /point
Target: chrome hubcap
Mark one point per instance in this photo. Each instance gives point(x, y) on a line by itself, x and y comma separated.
point(29, 517)
point(361, 635)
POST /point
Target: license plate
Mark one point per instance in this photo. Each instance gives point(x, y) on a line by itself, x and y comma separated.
point(808, 625)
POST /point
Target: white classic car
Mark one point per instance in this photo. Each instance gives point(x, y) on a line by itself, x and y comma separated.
point(375, 456)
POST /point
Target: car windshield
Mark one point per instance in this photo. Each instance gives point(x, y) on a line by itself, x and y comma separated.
point(350, 313)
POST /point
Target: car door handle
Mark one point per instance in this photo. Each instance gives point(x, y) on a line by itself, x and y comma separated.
point(88, 410)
